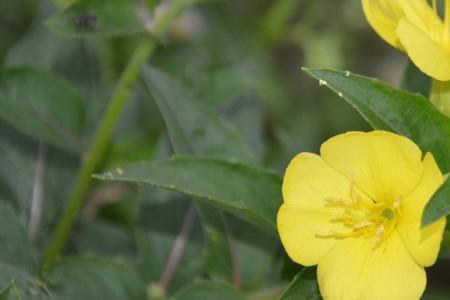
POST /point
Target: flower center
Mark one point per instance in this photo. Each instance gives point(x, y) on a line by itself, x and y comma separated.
point(357, 216)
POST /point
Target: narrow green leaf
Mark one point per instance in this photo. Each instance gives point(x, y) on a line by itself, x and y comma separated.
point(41, 106)
point(93, 278)
point(303, 287)
point(208, 290)
point(223, 85)
point(28, 286)
point(15, 249)
point(97, 17)
point(248, 192)
point(193, 127)
point(10, 292)
point(104, 238)
point(439, 205)
point(386, 108)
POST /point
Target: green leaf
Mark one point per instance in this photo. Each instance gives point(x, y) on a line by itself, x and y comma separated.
point(97, 17)
point(303, 287)
point(42, 106)
point(193, 127)
point(104, 238)
point(439, 205)
point(29, 286)
point(411, 115)
point(93, 278)
point(248, 192)
point(10, 293)
point(223, 85)
point(208, 290)
point(15, 249)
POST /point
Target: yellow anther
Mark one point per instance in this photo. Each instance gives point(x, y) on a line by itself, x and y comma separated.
point(378, 234)
point(397, 202)
point(363, 225)
point(360, 216)
point(352, 189)
point(325, 233)
point(339, 201)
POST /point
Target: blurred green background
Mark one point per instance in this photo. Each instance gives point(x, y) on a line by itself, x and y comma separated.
point(244, 58)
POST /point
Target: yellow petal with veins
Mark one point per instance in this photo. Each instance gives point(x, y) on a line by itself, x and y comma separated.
point(422, 244)
point(383, 16)
point(354, 270)
point(420, 14)
point(383, 165)
point(427, 55)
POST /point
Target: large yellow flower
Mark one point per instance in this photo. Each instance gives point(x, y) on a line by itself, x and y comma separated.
point(355, 211)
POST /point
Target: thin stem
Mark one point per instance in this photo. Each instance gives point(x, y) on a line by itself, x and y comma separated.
point(236, 273)
point(38, 194)
point(178, 248)
point(94, 156)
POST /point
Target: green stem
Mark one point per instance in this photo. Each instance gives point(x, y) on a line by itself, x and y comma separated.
point(92, 159)
point(440, 96)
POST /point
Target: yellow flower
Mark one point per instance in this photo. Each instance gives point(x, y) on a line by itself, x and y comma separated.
point(415, 27)
point(355, 211)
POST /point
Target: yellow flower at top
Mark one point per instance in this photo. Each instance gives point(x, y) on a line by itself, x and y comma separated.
point(415, 27)
point(355, 211)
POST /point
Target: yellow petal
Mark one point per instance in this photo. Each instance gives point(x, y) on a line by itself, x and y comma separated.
point(383, 16)
point(422, 15)
point(307, 183)
point(353, 270)
point(427, 54)
point(422, 244)
point(382, 164)
point(298, 227)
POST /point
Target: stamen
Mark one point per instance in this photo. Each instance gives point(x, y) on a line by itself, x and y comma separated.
point(397, 202)
point(378, 234)
point(363, 225)
point(355, 216)
point(339, 201)
point(352, 189)
point(325, 233)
